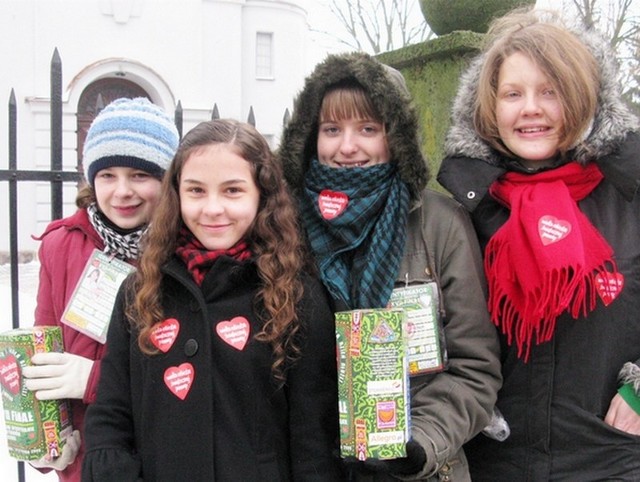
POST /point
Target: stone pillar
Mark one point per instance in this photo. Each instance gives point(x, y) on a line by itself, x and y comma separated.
point(431, 70)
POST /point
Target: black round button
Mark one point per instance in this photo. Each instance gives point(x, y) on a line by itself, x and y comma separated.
point(190, 347)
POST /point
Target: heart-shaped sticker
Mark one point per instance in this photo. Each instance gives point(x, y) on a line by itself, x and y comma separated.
point(332, 203)
point(609, 286)
point(234, 332)
point(179, 379)
point(10, 374)
point(165, 333)
point(552, 229)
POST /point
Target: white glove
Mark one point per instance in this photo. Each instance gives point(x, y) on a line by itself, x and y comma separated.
point(54, 376)
point(68, 455)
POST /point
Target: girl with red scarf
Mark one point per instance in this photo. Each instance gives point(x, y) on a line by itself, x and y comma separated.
point(221, 363)
point(544, 154)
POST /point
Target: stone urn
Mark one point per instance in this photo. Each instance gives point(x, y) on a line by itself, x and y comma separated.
point(445, 16)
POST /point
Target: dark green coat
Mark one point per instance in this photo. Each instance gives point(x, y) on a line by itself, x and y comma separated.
point(450, 407)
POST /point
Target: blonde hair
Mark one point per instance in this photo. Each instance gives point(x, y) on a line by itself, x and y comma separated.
point(86, 195)
point(570, 67)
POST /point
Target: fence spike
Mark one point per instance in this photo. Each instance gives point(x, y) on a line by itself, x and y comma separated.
point(56, 133)
point(252, 118)
point(215, 114)
point(178, 119)
point(286, 118)
point(99, 103)
point(13, 131)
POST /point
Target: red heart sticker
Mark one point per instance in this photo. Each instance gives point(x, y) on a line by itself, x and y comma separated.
point(10, 374)
point(552, 229)
point(165, 333)
point(332, 203)
point(234, 332)
point(609, 286)
point(179, 379)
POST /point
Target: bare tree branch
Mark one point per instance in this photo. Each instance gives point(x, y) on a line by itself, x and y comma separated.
point(380, 25)
point(617, 21)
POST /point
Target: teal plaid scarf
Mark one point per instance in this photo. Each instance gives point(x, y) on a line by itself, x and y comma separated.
point(356, 222)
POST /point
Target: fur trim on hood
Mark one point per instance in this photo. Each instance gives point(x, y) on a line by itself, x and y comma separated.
point(391, 99)
point(630, 373)
point(612, 121)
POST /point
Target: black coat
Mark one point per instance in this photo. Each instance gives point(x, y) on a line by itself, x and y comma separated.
point(556, 402)
point(234, 424)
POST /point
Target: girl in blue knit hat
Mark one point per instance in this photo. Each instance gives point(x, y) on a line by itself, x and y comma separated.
point(128, 147)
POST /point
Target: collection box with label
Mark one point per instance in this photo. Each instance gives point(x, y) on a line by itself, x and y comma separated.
point(35, 428)
point(426, 352)
point(373, 383)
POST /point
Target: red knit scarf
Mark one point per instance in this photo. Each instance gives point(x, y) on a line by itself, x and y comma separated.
point(199, 259)
point(547, 257)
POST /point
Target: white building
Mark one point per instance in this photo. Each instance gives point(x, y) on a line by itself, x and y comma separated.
point(235, 54)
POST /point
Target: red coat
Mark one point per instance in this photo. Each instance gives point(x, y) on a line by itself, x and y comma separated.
point(66, 246)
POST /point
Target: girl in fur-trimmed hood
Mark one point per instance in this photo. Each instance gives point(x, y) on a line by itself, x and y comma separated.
point(388, 94)
point(352, 154)
point(544, 154)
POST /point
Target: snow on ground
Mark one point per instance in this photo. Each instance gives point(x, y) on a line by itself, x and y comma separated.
point(28, 285)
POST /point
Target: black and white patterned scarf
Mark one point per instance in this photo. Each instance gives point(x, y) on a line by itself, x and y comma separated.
point(124, 246)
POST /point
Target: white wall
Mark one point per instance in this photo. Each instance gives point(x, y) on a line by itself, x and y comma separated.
point(198, 52)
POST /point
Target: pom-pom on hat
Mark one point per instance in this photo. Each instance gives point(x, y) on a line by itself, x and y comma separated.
point(130, 133)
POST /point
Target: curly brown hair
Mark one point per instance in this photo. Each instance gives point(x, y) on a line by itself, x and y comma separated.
point(273, 237)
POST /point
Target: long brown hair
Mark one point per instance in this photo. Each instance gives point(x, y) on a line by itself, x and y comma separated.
point(274, 239)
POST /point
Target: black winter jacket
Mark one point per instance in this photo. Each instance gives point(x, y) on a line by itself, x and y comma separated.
point(555, 403)
point(233, 423)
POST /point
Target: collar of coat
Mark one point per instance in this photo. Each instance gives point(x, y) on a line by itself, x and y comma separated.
point(468, 179)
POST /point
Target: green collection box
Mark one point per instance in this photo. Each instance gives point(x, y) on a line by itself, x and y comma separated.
point(35, 428)
point(373, 383)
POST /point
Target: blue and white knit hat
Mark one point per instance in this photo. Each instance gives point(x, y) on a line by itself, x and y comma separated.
point(130, 133)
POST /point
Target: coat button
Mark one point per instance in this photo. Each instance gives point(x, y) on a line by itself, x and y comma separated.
point(471, 195)
point(190, 347)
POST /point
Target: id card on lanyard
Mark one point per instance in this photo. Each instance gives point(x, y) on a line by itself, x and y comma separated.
point(90, 306)
point(426, 352)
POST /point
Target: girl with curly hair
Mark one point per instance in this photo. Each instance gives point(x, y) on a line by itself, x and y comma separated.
point(221, 362)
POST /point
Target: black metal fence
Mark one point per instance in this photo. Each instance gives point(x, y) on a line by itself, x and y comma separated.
point(56, 177)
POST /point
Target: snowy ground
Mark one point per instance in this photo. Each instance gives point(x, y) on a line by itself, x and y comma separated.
point(28, 284)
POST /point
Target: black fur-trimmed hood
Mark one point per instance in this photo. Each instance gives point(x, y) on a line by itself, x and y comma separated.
point(611, 124)
point(388, 94)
